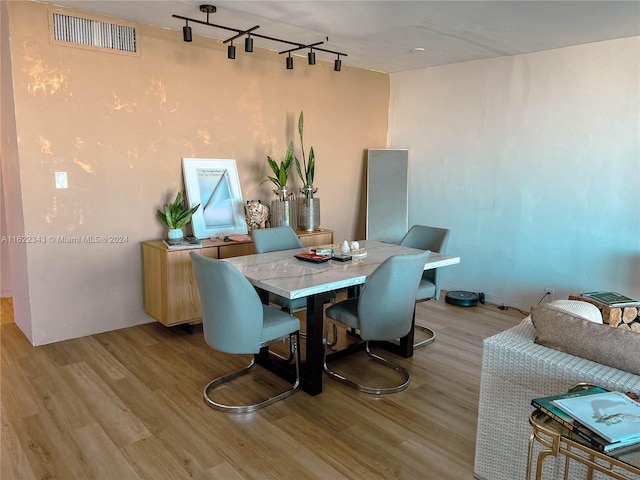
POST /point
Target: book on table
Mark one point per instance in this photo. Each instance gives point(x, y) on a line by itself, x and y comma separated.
point(182, 243)
point(612, 415)
point(545, 405)
point(611, 299)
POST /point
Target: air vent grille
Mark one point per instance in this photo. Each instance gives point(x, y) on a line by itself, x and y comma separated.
point(94, 33)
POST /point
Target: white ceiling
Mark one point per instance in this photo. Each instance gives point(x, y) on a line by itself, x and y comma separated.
point(379, 35)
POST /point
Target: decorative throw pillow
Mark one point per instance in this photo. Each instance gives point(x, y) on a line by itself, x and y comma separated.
point(569, 333)
point(580, 309)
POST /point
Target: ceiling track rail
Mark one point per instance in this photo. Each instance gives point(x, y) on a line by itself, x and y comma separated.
point(208, 9)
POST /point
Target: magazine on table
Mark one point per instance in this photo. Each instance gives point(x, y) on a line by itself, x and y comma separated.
point(612, 415)
point(611, 299)
point(182, 243)
point(545, 405)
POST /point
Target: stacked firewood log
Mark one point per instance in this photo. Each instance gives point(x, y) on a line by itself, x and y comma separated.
point(627, 318)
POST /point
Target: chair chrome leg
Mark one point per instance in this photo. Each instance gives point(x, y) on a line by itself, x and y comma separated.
point(291, 351)
point(294, 339)
point(426, 341)
point(333, 342)
point(363, 388)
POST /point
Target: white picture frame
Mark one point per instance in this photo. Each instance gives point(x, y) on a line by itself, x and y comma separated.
point(214, 184)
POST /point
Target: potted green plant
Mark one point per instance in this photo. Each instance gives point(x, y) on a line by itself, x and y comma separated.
point(175, 216)
point(309, 168)
point(282, 208)
point(281, 172)
point(308, 205)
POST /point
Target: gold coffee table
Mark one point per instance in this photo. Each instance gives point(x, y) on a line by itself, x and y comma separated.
point(622, 464)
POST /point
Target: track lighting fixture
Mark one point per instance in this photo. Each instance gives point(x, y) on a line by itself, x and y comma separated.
point(248, 41)
point(186, 33)
point(312, 55)
point(248, 44)
point(208, 9)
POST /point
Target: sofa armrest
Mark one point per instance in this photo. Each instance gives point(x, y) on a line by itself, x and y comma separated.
point(514, 371)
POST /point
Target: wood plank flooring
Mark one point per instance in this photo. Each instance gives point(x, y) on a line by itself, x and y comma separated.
point(6, 310)
point(128, 404)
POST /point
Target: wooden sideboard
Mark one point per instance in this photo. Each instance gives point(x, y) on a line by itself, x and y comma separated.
point(170, 291)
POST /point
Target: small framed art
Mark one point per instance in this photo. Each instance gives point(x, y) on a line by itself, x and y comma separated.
point(214, 184)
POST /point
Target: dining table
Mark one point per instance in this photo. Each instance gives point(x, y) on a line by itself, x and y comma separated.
point(283, 274)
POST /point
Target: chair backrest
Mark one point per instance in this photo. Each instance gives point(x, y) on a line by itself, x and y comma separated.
point(275, 239)
point(428, 238)
point(386, 303)
point(232, 312)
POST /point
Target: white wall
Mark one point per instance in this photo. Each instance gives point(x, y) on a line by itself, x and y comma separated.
point(533, 162)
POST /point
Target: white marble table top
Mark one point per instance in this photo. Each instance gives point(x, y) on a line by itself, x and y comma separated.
point(282, 274)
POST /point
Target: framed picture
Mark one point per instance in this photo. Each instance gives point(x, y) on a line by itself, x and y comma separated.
point(214, 184)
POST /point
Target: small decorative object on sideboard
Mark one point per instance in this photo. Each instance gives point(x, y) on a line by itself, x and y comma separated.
point(175, 216)
point(308, 204)
point(257, 214)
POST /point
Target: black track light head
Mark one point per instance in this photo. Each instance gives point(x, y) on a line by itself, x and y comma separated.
point(186, 33)
point(312, 57)
point(231, 51)
point(337, 65)
point(248, 44)
point(289, 62)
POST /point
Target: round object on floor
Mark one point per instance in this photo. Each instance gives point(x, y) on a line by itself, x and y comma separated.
point(462, 299)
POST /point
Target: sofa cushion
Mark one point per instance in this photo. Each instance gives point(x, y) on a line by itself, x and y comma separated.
point(565, 331)
point(585, 310)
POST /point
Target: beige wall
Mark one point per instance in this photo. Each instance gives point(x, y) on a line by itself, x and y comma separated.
point(119, 125)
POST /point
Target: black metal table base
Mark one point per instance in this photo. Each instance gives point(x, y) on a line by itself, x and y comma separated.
point(311, 370)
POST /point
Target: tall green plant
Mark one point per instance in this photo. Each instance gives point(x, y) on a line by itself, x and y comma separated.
point(310, 166)
point(175, 215)
point(281, 171)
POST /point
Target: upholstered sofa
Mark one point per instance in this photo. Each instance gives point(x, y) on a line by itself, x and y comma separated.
point(516, 369)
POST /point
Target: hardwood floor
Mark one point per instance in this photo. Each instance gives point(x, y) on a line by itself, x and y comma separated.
point(6, 310)
point(128, 404)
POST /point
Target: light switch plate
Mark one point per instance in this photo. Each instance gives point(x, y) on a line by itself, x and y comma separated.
point(61, 180)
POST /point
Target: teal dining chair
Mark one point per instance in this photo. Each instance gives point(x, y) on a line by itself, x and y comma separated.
point(235, 321)
point(273, 240)
point(383, 311)
point(433, 239)
point(277, 239)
